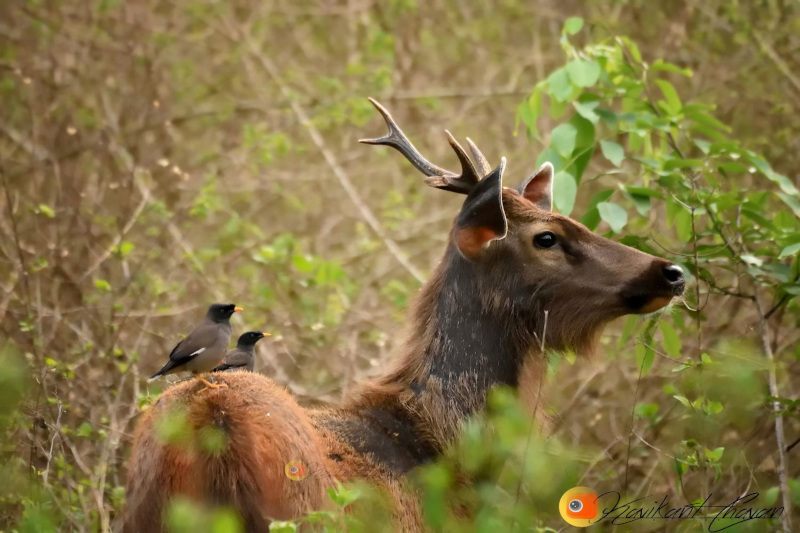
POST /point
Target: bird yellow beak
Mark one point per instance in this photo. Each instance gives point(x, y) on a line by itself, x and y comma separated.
point(237, 309)
point(266, 335)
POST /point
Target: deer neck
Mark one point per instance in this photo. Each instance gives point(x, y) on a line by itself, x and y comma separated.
point(475, 342)
point(464, 339)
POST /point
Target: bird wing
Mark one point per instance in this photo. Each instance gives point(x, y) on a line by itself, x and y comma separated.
point(199, 340)
point(238, 358)
point(235, 359)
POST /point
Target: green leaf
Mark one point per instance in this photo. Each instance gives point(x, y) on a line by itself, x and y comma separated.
point(529, 111)
point(84, 430)
point(277, 526)
point(671, 340)
point(613, 151)
point(713, 408)
point(614, 215)
point(226, 521)
point(527, 117)
point(47, 211)
point(633, 48)
point(660, 64)
point(573, 25)
point(303, 263)
point(765, 168)
point(584, 146)
point(591, 217)
point(752, 260)
point(585, 132)
point(707, 120)
point(559, 86)
point(549, 155)
point(684, 400)
point(562, 139)
point(583, 72)
point(792, 202)
point(343, 496)
point(564, 191)
point(586, 110)
point(790, 250)
point(704, 146)
point(714, 455)
point(683, 224)
point(633, 190)
point(671, 96)
point(770, 497)
point(125, 248)
point(102, 285)
point(646, 410)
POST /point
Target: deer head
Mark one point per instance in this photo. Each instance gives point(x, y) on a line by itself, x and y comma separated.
point(523, 259)
point(516, 279)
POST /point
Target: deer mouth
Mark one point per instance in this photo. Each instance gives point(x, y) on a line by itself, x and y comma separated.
point(649, 303)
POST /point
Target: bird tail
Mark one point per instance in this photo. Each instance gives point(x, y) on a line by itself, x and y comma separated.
point(169, 366)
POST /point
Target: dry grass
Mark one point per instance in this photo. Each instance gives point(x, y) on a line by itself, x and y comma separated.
point(156, 156)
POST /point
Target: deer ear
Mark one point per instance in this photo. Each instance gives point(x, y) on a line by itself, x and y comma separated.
point(482, 218)
point(538, 188)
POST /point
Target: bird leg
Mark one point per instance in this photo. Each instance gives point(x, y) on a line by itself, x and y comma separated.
point(209, 385)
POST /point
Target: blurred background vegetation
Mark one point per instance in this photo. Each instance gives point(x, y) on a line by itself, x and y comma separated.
point(157, 156)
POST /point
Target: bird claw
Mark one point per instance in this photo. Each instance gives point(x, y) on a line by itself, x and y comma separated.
point(207, 387)
point(210, 385)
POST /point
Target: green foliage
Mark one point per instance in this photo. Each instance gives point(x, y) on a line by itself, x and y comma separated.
point(151, 166)
point(682, 162)
point(185, 516)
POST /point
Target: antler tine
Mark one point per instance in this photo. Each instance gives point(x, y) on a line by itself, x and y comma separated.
point(483, 164)
point(469, 175)
point(435, 176)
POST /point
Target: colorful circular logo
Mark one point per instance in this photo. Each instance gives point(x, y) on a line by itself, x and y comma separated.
point(295, 470)
point(578, 507)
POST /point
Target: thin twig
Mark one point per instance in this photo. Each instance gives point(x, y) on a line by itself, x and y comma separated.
point(56, 433)
point(783, 461)
point(337, 170)
point(775, 58)
point(650, 327)
point(542, 342)
point(121, 235)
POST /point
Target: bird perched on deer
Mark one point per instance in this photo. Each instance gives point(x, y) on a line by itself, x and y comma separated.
point(243, 356)
point(203, 349)
point(516, 280)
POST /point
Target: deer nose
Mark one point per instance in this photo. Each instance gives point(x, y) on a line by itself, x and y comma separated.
point(674, 275)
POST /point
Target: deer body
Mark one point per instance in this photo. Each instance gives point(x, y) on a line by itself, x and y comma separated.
point(516, 279)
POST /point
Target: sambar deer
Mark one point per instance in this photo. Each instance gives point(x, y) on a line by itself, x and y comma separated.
point(515, 277)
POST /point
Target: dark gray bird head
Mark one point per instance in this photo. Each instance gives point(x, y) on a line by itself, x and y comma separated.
point(248, 340)
point(221, 313)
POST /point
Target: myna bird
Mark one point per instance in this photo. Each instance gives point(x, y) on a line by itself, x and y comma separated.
point(204, 347)
point(243, 356)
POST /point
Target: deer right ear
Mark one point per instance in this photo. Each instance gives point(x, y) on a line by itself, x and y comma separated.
point(482, 218)
point(538, 188)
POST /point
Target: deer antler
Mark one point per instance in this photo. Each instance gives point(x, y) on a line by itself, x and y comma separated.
point(483, 164)
point(436, 176)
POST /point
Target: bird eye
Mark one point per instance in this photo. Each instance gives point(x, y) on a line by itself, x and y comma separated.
point(546, 239)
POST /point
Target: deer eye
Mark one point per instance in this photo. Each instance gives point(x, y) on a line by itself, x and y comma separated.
point(546, 239)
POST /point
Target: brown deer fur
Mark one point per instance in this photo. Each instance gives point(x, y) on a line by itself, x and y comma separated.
point(494, 303)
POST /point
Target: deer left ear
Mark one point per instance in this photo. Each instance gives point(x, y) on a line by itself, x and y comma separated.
point(538, 188)
point(482, 218)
